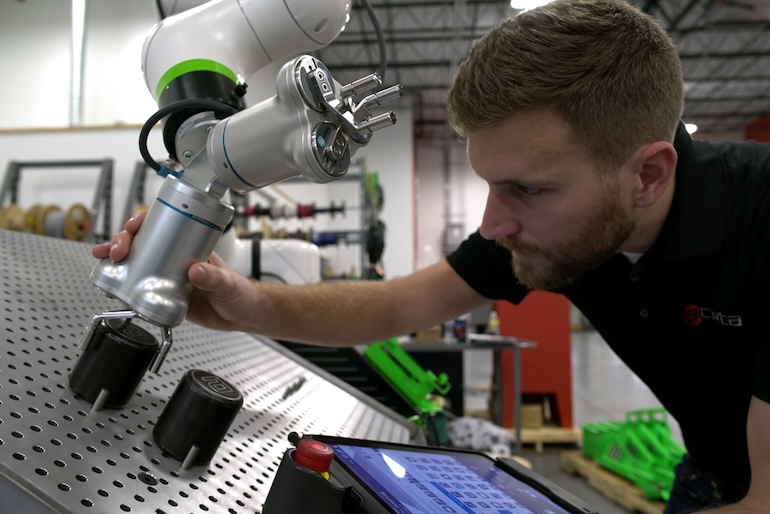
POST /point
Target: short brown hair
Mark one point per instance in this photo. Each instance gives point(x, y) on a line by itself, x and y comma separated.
point(607, 68)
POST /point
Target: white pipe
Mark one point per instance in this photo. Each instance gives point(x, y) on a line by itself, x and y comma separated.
point(78, 51)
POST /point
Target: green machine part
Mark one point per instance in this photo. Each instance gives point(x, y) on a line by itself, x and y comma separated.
point(640, 449)
point(372, 191)
point(419, 386)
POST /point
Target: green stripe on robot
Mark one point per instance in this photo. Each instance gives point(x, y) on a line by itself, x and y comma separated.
point(192, 65)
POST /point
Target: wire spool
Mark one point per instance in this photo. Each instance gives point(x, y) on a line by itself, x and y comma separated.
point(267, 232)
point(50, 221)
point(77, 222)
point(12, 218)
point(30, 218)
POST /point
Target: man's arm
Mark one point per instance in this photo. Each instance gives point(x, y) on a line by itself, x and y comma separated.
point(758, 429)
point(341, 313)
point(351, 312)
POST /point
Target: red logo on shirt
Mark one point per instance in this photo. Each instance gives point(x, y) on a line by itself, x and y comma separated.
point(692, 317)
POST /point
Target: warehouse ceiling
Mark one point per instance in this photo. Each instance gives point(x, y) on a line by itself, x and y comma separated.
point(724, 46)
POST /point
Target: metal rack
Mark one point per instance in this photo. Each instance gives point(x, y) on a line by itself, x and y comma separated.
point(135, 192)
point(353, 237)
point(58, 456)
point(101, 205)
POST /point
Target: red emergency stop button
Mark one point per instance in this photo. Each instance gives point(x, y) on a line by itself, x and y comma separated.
point(313, 455)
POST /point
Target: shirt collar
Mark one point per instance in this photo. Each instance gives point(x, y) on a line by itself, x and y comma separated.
point(697, 223)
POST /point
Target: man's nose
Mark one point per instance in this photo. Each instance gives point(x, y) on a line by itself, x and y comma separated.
point(499, 219)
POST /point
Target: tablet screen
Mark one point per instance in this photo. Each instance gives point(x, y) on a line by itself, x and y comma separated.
point(409, 481)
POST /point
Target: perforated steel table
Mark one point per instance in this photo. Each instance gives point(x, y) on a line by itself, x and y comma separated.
point(58, 456)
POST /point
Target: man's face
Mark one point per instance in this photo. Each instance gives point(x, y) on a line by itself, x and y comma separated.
point(547, 203)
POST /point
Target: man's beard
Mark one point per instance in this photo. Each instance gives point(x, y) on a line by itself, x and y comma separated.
point(561, 264)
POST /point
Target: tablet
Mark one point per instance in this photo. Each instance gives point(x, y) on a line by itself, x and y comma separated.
point(415, 479)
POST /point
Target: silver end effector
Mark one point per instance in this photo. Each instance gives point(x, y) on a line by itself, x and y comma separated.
point(311, 127)
point(182, 226)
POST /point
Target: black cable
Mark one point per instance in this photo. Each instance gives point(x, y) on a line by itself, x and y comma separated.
point(159, 5)
point(193, 103)
point(380, 38)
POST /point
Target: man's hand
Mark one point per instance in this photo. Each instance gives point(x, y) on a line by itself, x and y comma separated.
point(117, 248)
point(221, 299)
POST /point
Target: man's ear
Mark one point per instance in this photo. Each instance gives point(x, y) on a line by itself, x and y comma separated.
point(654, 164)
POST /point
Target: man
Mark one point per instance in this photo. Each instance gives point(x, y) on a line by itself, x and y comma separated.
point(571, 114)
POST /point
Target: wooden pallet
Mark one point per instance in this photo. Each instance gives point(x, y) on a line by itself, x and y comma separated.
point(610, 485)
point(549, 435)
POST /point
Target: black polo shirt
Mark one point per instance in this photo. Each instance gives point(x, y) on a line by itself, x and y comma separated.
point(692, 317)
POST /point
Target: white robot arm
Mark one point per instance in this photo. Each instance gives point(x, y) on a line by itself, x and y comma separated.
point(206, 52)
point(235, 38)
point(195, 63)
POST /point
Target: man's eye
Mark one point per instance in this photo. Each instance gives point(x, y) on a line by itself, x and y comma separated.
point(529, 191)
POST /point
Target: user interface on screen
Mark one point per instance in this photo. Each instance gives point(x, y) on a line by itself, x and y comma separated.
point(425, 482)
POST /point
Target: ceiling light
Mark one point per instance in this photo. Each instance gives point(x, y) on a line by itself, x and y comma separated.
point(691, 127)
point(524, 5)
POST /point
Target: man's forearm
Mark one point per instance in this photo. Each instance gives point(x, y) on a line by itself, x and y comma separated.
point(346, 313)
point(341, 313)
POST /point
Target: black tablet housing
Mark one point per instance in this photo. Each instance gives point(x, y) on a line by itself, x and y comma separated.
point(392, 478)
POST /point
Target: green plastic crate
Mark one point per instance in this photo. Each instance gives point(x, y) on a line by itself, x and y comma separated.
point(640, 449)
